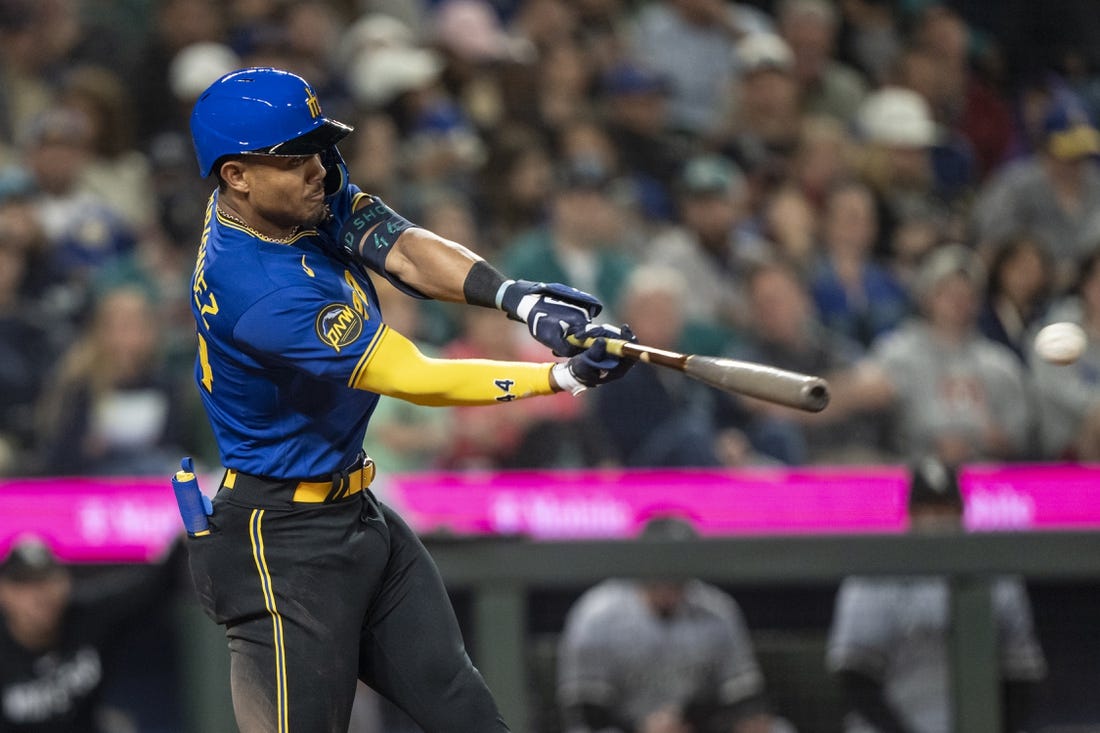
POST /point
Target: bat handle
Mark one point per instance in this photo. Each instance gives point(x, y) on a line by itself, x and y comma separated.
point(639, 352)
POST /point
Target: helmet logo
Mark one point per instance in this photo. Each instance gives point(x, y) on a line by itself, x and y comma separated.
point(313, 103)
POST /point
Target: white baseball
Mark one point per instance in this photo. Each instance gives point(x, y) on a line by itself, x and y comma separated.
point(1061, 343)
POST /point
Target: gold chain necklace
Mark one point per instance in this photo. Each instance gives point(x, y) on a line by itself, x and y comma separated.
point(248, 228)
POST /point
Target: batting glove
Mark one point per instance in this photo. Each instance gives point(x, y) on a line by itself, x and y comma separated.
point(551, 311)
point(595, 365)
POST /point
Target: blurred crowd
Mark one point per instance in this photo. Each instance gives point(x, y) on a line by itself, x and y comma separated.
point(893, 194)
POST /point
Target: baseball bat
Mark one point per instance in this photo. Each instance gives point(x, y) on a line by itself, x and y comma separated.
point(783, 387)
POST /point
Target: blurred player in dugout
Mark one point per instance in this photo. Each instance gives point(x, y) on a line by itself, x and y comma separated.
point(58, 637)
point(888, 641)
point(670, 655)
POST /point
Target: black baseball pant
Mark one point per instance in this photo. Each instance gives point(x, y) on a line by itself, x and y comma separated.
point(315, 595)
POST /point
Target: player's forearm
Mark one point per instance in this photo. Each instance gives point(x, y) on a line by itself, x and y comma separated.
point(395, 367)
point(415, 259)
point(435, 266)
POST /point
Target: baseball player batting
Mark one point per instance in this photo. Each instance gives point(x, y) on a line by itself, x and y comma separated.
point(317, 582)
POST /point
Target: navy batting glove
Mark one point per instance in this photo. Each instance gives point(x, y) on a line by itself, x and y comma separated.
point(595, 365)
point(551, 311)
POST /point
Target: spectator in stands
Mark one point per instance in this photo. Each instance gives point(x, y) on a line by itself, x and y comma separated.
point(660, 417)
point(853, 294)
point(110, 407)
point(1069, 396)
point(952, 392)
point(1053, 194)
point(785, 332)
point(766, 119)
point(636, 113)
point(517, 184)
point(28, 345)
point(713, 244)
point(889, 638)
point(828, 86)
point(575, 245)
point(677, 38)
point(118, 173)
point(940, 67)
point(825, 155)
point(57, 637)
point(789, 220)
point(872, 37)
point(83, 232)
point(667, 655)
point(912, 164)
point(35, 39)
point(1018, 294)
point(584, 142)
point(175, 25)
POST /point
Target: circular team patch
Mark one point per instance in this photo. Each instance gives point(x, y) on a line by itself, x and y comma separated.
point(338, 324)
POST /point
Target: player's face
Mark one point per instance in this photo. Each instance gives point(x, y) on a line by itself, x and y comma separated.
point(286, 191)
point(32, 610)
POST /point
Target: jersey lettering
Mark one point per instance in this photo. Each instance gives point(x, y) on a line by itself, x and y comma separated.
point(200, 291)
point(204, 364)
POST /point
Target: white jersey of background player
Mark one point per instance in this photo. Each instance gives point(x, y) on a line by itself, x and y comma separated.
point(895, 630)
point(659, 655)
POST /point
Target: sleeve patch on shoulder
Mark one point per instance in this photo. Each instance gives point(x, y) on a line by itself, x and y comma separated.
point(338, 325)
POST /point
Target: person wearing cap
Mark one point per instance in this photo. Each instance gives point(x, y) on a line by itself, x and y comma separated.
point(711, 245)
point(1053, 194)
point(636, 118)
point(766, 119)
point(888, 639)
point(661, 655)
point(911, 161)
point(829, 86)
point(316, 581)
point(57, 637)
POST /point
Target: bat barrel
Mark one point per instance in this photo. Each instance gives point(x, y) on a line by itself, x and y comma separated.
point(783, 387)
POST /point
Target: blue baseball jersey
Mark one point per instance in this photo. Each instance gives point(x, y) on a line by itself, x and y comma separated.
point(283, 330)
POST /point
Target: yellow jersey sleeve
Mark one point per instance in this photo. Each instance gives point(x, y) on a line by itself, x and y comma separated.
point(395, 367)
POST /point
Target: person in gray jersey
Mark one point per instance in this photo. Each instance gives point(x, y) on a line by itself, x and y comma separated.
point(667, 656)
point(950, 391)
point(888, 639)
point(1053, 194)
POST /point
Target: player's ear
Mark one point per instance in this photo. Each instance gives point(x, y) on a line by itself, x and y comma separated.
point(231, 174)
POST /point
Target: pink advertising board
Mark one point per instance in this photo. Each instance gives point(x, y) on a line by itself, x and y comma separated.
point(106, 519)
point(575, 504)
point(101, 519)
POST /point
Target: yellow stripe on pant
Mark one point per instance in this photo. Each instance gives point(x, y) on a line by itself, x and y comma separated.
point(281, 708)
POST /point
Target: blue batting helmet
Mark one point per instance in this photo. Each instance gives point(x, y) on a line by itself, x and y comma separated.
point(260, 110)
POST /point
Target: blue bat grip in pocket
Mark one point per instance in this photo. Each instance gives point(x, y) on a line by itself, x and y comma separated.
point(194, 506)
